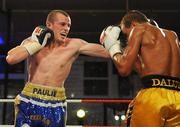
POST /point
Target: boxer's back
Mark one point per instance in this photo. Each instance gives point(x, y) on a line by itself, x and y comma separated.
point(175, 58)
point(160, 52)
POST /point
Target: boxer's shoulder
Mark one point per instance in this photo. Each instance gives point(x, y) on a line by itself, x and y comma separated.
point(76, 41)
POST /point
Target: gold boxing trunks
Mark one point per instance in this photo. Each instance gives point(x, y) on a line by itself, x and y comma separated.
point(157, 105)
point(44, 92)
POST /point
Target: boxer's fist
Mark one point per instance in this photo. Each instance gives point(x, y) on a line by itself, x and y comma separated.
point(40, 37)
point(110, 39)
point(42, 34)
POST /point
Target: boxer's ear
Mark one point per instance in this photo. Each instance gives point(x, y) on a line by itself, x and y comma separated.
point(48, 24)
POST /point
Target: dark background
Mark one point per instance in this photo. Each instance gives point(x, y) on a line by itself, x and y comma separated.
point(89, 17)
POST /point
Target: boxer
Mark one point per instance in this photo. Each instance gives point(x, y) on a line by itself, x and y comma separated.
point(50, 54)
point(155, 54)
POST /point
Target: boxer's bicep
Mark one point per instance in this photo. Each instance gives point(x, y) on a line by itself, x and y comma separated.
point(93, 49)
point(126, 61)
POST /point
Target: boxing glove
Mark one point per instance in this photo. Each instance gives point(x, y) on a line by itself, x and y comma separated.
point(109, 38)
point(40, 37)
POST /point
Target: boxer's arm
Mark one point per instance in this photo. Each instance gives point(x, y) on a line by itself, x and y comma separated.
point(125, 62)
point(173, 36)
point(40, 37)
point(138, 65)
point(93, 49)
point(18, 53)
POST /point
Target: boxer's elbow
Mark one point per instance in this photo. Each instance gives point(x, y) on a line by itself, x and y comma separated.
point(11, 60)
point(16, 55)
point(124, 71)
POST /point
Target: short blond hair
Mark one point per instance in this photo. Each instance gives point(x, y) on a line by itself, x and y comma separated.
point(52, 14)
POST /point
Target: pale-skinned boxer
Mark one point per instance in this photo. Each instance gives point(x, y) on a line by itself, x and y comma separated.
point(50, 55)
point(155, 53)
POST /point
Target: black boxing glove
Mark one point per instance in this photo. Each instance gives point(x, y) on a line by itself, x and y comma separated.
point(123, 40)
point(40, 37)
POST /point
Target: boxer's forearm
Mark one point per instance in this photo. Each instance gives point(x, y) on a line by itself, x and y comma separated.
point(16, 55)
point(93, 49)
point(123, 66)
point(100, 51)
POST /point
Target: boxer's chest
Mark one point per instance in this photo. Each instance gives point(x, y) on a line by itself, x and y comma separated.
point(57, 58)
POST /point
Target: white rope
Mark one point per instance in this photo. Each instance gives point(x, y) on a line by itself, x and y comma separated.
point(82, 100)
point(6, 100)
point(6, 125)
point(66, 126)
point(69, 101)
point(74, 100)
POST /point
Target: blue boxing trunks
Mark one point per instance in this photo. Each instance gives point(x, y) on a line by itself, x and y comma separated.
point(157, 105)
point(40, 106)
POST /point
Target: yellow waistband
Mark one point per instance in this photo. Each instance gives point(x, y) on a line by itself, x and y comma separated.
point(44, 92)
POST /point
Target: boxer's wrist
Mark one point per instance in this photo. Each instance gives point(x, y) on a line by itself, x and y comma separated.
point(114, 49)
point(117, 56)
point(32, 47)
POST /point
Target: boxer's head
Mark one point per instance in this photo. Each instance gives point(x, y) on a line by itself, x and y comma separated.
point(59, 22)
point(52, 15)
point(133, 16)
point(130, 19)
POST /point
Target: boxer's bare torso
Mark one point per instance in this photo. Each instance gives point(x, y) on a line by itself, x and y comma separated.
point(51, 65)
point(157, 50)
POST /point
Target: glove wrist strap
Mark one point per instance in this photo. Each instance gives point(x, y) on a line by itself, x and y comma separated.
point(32, 47)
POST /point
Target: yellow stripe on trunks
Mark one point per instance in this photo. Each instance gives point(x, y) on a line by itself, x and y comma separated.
point(44, 92)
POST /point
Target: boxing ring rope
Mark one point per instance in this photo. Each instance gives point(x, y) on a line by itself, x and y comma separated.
point(77, 101)
point(81, 100)
point(69, 126)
